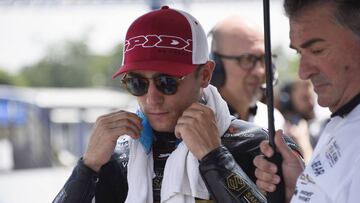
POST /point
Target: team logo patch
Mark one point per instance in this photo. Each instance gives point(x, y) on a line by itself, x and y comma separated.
point(333, 154)
point(318, 168)
point(234, 182)
point(305, 195)
point(305, 179)
point(250, 197)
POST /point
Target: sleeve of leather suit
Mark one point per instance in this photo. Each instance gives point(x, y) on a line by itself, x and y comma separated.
point(109, 185)
point(226, 181)
point(80, 187)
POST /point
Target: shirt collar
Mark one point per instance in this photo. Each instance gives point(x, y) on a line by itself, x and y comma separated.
point(252, 111)
point(347, 108)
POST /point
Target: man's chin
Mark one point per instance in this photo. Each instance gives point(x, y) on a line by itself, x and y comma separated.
point(325, 101)
point(164, 130)
point(163, 127)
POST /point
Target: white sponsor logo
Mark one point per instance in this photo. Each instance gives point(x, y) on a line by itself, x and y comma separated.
point(160, 41)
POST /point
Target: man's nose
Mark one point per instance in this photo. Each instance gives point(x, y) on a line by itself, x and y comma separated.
point(306, 69)
point(259, 67)
point(153, 95)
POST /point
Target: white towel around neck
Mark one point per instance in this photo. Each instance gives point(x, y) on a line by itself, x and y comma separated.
point(182, 181)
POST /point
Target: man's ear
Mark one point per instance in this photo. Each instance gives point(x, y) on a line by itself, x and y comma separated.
point(206, 73)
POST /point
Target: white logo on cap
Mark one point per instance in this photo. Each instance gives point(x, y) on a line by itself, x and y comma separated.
point(159, 41)
point(174, 42)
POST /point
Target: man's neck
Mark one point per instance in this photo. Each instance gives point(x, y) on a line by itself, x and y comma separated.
point(239, 104)
point(348, 107)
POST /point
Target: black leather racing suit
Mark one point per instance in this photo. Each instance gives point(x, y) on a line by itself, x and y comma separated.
point(222, 171)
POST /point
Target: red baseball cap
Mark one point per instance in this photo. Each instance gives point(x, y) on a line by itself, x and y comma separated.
point(167, 41)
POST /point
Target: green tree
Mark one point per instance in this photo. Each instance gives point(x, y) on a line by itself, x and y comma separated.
point(73, 65)
point(286, 66)
point(115, 61)
point(5, 78)
point(61, 67)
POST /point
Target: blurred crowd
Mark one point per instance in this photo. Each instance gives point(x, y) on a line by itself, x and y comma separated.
point(305, 119)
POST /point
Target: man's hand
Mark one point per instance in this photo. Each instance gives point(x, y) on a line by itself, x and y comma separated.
point(197, 127)
point(108, 128)
point(266, 171)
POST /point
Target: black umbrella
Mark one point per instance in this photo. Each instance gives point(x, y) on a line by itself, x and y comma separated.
point(279, 195)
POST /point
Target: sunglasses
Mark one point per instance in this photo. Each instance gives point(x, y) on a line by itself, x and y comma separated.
point(138, 85)
point(246, 61)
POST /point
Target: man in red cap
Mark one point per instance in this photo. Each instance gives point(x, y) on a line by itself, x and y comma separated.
point(182, 145)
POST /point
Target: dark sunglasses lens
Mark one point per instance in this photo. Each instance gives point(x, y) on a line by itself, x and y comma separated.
point(166, 84)
point(136, 85)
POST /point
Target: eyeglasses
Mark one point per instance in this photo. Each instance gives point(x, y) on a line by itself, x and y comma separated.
point(246, 61)
point(138, 85)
